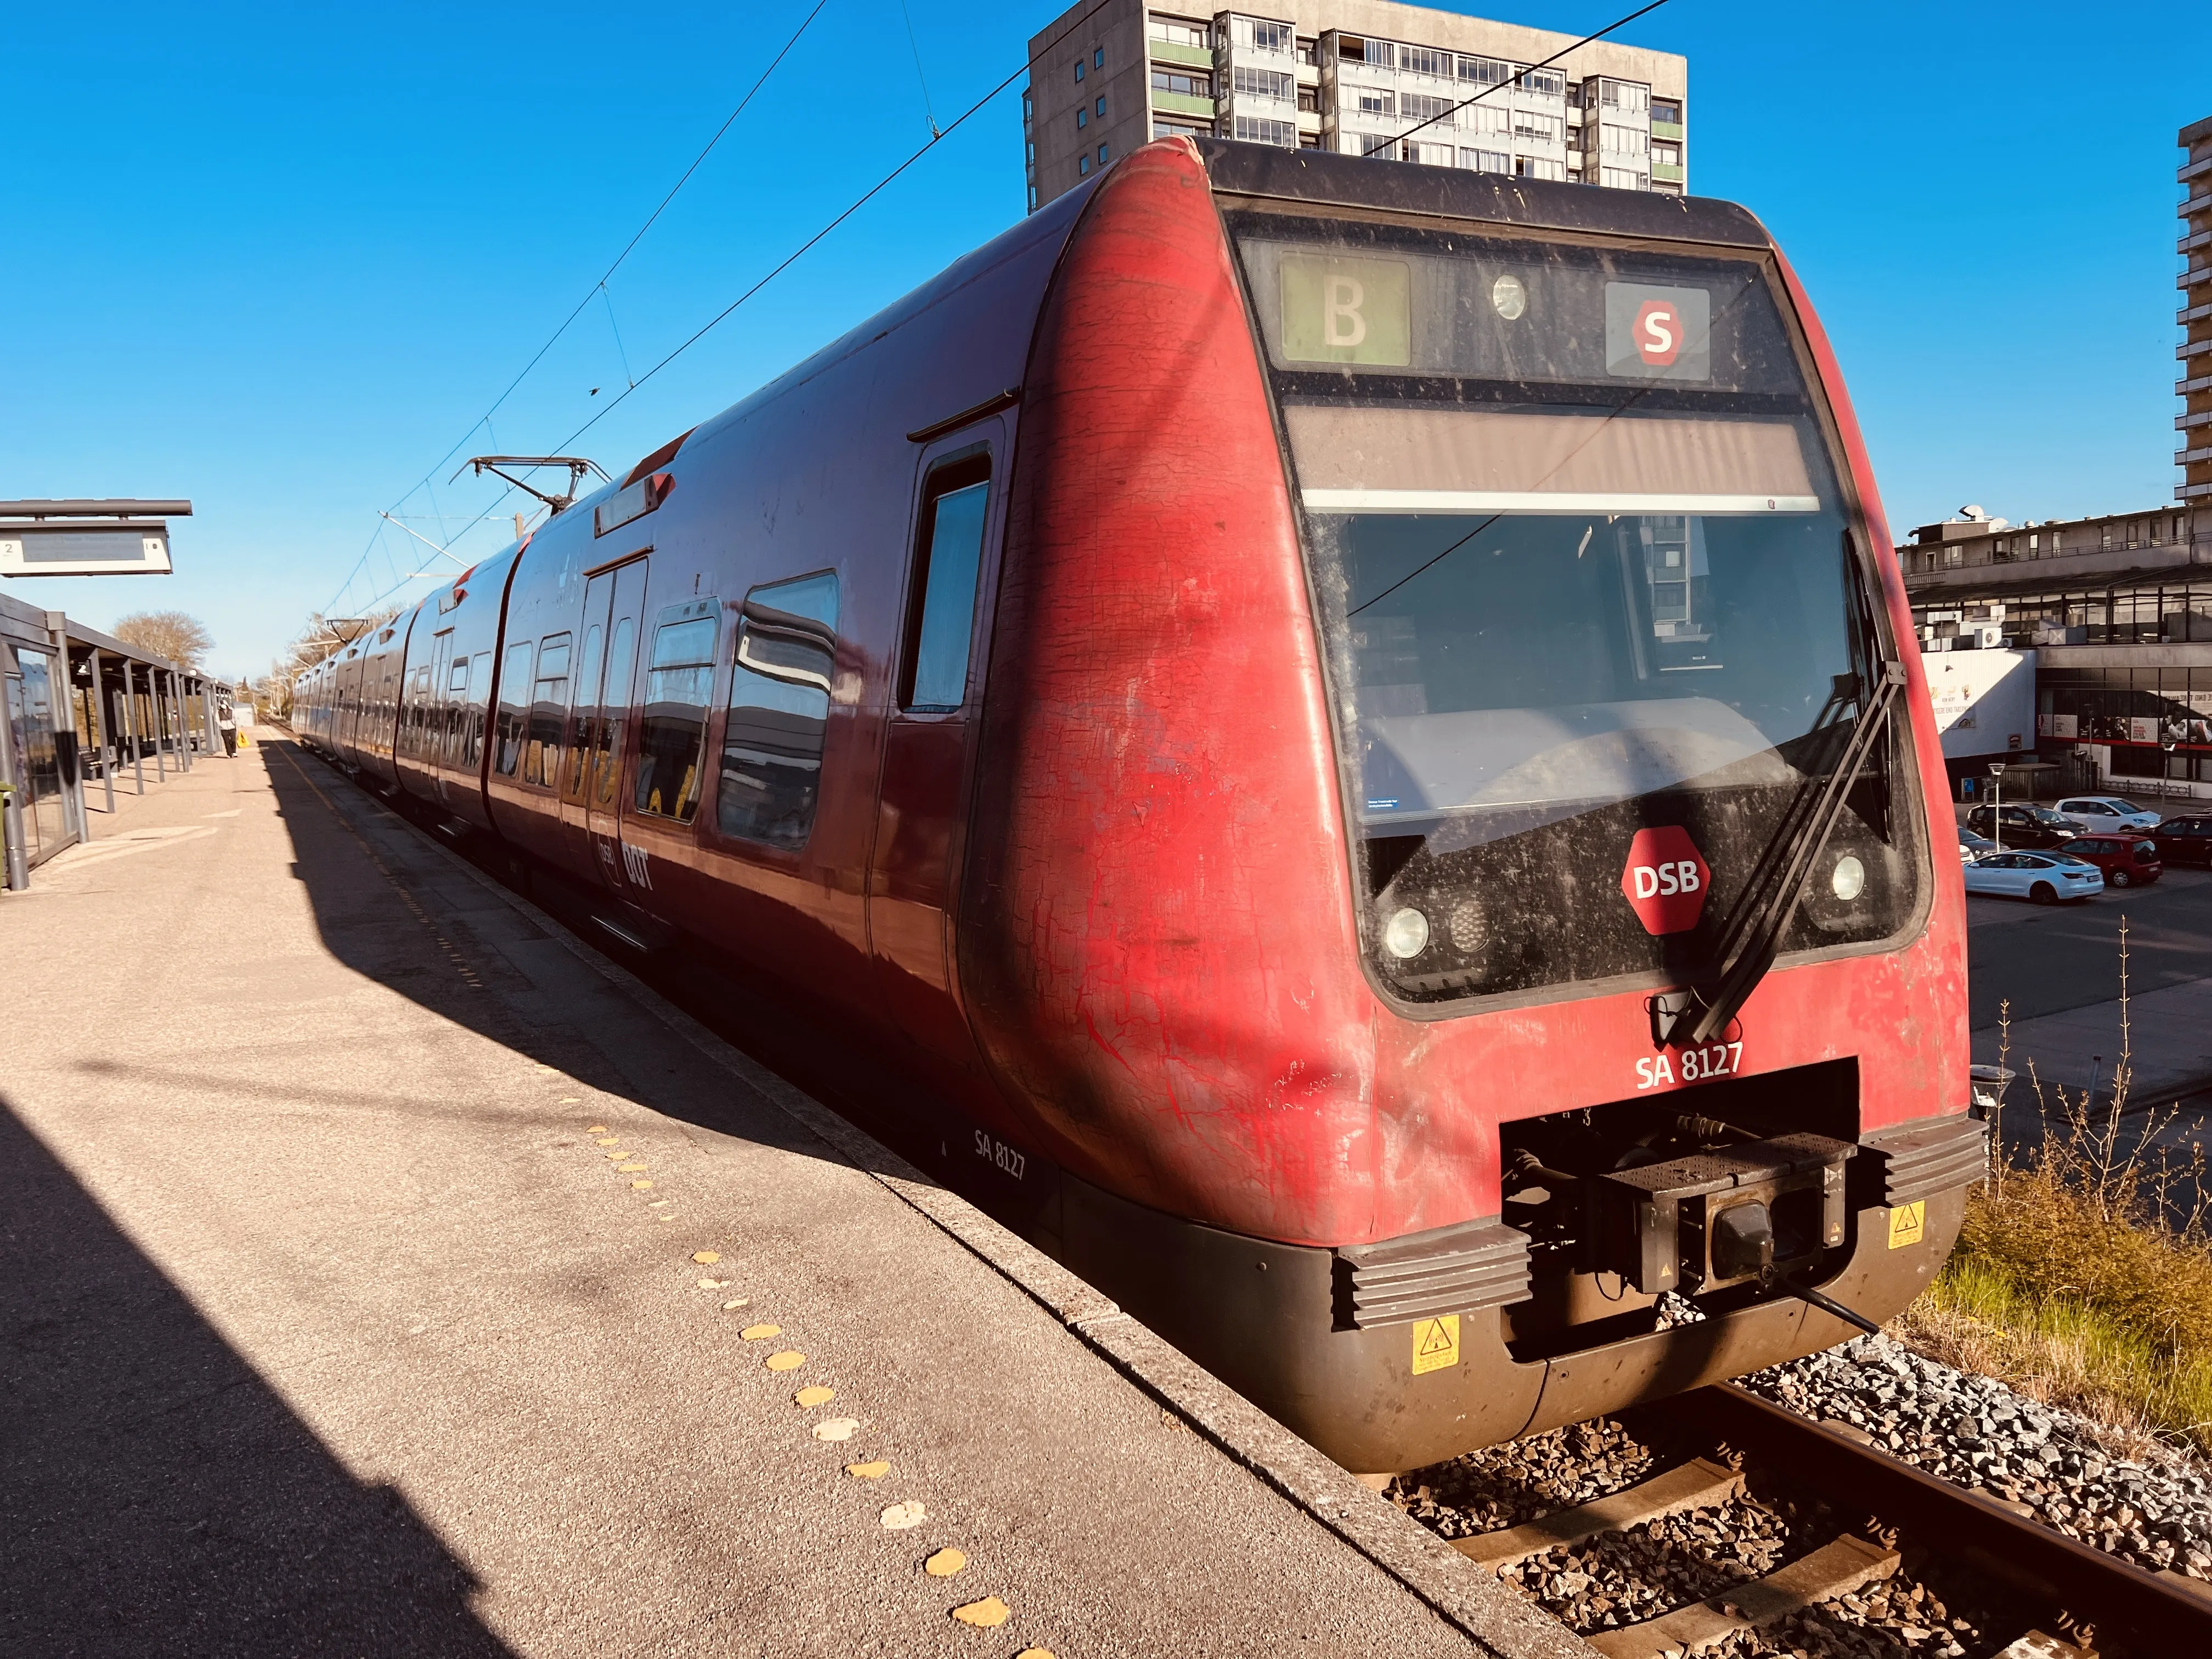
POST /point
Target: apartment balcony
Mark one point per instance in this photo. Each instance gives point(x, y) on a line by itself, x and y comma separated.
point(2191, 457)
point(1168, 52)
point(2196, 204)
point(2196, 492)
point(1666, 130)
point(2200, 168)
point(1181, 103)
point(2193, 276)
point(2190, 422)
point(2184, 388)
point(2195, 314)
point(2030, 574)
point(1666, 174)
point(2196, 239)
point(2193, 348)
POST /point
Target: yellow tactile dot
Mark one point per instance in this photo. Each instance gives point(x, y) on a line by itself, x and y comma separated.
point(760, 1332)
point(736, 1302)
point(610, 1140)
point(872, 1471)
point(616, 1155)
point(713, 1284)
point(1034, 1653)
point(644, 1186)
point(597, 1129)
point(988, 1614)
point(945, 1563)
point(816, 1396)
point(789, 1360)
point(706, 1258)
point(571, 1100)
point(628, 1169)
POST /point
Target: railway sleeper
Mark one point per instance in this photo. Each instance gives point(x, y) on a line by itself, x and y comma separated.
point(1697, 1485)
point(1834, 1570)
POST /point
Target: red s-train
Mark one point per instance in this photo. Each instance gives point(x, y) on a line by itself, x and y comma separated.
point(1348, 735)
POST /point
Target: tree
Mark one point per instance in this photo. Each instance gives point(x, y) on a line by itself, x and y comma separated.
point(170, 634)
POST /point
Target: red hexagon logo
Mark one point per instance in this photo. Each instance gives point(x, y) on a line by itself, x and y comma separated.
point(1667, 879)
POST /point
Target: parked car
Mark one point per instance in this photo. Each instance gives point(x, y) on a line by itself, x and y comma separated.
point(1971, 846)
point(2126, 860)
point(2045, 877)
point(2184, 841)
point(2105, 815)
point(2023, 826)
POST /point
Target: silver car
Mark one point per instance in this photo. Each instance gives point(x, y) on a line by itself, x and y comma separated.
point(2043, 877)
point(2105, 814)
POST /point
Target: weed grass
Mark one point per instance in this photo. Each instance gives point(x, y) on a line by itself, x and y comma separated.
point(2084, 1274)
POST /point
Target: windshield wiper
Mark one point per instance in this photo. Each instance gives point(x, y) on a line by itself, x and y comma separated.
point(1770, 900)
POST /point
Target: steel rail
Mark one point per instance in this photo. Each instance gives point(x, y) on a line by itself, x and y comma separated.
point(2148, 1611)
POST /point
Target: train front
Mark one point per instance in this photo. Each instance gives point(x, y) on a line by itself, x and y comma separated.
point(1589, 1008)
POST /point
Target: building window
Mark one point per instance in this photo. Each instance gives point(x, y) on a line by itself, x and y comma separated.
point(1082, 118)
point(1627, 96)
point(1536, 167)
point(1665, 109)
point(1284, 135)
point(1079, 68)
point(1180, 129)
point(1485, 71)
point(1485, 161)
point(1265, 83)
point(1666, 155)
point(1417, 107)
point(1098, 109)
point(1260, 36)
point(1544, 83)
point(1383, 144)
point(1624, 141)
point(1098, 58)
point(1373, 100)
point(1082, 164)
point(1183, 83)
point(1486, 117)
point(1177, 32)
point(1309, 51)
point(1102, 155)
point(1424, 60)
point(1545, 128)
point(1309, 101)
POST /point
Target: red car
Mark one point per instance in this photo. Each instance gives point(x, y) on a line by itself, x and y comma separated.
point(2126, 860)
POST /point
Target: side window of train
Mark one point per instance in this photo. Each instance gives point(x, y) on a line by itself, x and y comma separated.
point(948, 556)
point(679, 678)
point(771, 766)
point(479, 694)
point(549, 712)
point(514, 708)
point(451, 728)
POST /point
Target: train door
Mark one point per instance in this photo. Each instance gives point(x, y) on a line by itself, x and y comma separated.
point(936, 687)
point(591, 786)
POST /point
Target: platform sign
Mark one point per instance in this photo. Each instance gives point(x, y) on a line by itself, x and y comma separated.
point(129, 549)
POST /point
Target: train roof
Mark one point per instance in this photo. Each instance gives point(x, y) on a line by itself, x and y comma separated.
point(1317, 176)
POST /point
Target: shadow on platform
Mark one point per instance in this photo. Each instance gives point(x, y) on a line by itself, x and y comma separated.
point(157, 1496)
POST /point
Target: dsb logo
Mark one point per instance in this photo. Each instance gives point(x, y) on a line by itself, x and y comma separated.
point(1653, 881)
point(1666, 879)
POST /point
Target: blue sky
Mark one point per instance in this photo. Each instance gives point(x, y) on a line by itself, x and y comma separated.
point(286, 257)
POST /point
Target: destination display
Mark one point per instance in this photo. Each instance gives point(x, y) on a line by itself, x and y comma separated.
point(1378, 299)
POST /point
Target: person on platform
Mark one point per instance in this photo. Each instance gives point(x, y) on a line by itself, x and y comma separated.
point(226, 721)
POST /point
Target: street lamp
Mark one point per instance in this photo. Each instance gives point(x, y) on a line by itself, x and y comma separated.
point(1997, 811)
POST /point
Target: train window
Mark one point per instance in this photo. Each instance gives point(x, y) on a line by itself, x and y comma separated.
point(614, 709)
point(587, 683)
point(473, 730)
point(514, 708)
point(679, 677)
point(549, 712)
point(948, 557)
point(779, 717)
point(1585, 567)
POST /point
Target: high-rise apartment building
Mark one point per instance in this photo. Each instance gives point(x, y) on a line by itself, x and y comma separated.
point(2195, 421)
point(1358, 78)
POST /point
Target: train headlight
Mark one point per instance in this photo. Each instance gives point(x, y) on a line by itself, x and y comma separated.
point(1406, 934)
point(1850, 880)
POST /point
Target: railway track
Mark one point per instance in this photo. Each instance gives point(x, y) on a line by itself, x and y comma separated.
point(1837, 1548)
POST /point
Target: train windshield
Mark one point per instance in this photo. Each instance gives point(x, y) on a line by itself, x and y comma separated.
point(1584, 571)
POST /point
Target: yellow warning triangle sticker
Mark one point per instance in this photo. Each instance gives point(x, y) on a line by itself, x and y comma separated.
point(1436, 1343)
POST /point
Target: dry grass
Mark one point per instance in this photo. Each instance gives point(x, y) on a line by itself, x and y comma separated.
point(2083, 1275)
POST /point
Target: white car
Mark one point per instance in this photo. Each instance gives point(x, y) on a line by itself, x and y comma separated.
point(2105, 814)
point(2045, 877)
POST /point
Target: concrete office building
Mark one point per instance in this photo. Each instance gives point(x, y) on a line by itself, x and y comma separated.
point(2117, 609)
point(1355, 77)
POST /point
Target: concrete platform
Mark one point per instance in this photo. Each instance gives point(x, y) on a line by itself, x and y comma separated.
point(334, 1327)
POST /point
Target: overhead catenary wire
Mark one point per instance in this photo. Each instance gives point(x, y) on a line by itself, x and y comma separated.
point(798, 252)
point(597, 288)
